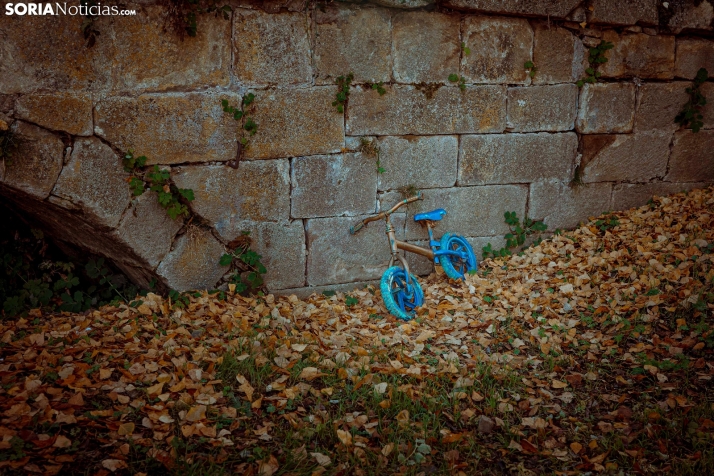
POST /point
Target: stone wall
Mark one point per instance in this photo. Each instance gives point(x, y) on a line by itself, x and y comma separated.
point(502, 142)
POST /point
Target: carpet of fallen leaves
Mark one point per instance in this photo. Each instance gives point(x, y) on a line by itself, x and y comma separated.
point(591, 352)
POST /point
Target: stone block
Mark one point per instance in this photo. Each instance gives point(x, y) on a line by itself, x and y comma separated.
point(350, 39)
point(638, 55)
point(625, 157)
point(542, 108)
point(692, 54)
point(282, 247)
point(658, 104)
point(226, 197)
point(558, 56)
point(541, 8)
point(36, 161)
point(150, 57)
point(516, 158)
point(170, 128)
point(617, 12)
point(94, 179)
point(707, 89)
point(331, 185)
point(147, 229)
point(629, 195)
point(562, 206)
point(500, 47)
point(692, 159)
point(193, 263)
point(404, 3)
point(406, 110)
point(307, 291)
point(271, 49)
point(426, 46)
point(335, 256)
point(693, 15)
point(68, 112)
point(606, 108)
point(295, 123)
point(419, 161)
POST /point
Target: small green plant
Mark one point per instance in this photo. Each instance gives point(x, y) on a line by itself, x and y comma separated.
point(241, 113)
point(454, 78)
point(517, 235)
point(351, 301)
point(343, 92)
point(379, 87)
point(183, 14)
point(465, 49)
point(370, 148)
point(691, 114)
point(596, 58)
point(607, 223)
point(530, 69)
point(243, 260)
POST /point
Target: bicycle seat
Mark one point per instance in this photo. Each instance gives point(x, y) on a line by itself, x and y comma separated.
point(434, 215)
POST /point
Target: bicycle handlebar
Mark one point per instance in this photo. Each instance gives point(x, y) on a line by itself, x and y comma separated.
point(363, 223)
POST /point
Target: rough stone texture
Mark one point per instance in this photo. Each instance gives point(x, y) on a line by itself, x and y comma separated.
point(335, 256)
point(36, 162)
point(692, 54)
point(691, 15)
point(692, 159)
point(542, 108)
point(193, 262)
point(658, 104)
point(639, 55)
point(558, 56)
point(271, 49)
point(426, 47)
point(68, 112)
point(295, 123)
point(357, 40)
point(226, 197)
point(560, 206)
point(95, 179)
point(404, 3)
point(147, 229)
point(631, 157)
point(544, 8)
point(499, 49)
point(330, 185)
point(707, 90)
point(150, 57)
point(606, 108)
point(307, 291)
point(628, 195)
point(406, 110)
point(516, 158)
point(170, 128)
point(423, 162)
point(282, 247)
point(629, 12)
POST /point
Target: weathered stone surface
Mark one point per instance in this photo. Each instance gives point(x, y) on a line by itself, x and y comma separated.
point(628, 195)
point(707, 90)
point(49, 53)
point(692, 54)
point(617, 12)
point(330, 185)
point(147, 229)
point(36, 161)
point(95, 179)
point(307, 291)
point(335, 256)
point(658, 104)
point(405, 110)
point(424, 162)
point(271, 49)
point(631, 157)
point(499, 49)
point(193, 261)
point(426, 47)
point(558, 56)
point(471, 211)
point(516, 158)
point(282, 247)
point(295, 123)
point(404, 3)
point(544, 8)
point(692, 159)
point(691, 15)
point(357, 40)
point(639, 55)
point(560, 206)
point(542, 108)
point(150, 57)
point(68, 112)
point(170, 128)
point(606, 108)
point(226, 197)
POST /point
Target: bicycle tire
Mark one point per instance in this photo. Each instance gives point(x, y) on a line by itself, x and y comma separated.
point(456, 268)
point(398, 302)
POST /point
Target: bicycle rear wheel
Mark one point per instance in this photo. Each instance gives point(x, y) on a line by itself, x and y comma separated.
point(456, 267)
point(401, 294)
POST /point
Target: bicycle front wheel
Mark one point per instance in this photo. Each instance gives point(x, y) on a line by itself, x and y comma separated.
point(456, 267)
point(401, 294)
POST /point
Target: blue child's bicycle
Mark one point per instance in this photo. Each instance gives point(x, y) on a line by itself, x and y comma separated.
point(400, 289)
